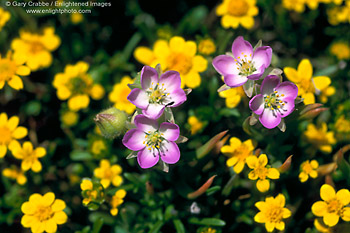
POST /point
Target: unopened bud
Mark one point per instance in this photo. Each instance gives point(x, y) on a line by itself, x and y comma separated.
point(112, 122)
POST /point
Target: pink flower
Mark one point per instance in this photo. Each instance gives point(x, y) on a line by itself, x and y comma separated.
point(276, 101)
point(244, 64)
point(153, 142)
point(157, 92)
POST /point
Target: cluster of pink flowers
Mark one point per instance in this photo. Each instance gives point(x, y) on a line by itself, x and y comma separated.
point(150, 140)
point(245, 66)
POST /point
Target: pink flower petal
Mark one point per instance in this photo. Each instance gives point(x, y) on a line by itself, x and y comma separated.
point(256, 104)
point(269, 118)
point(269, 83)
point(153, 111)
point(262, 57)
point(139, 98)
point(170, 152)
point(287, 108)
point(145, 124)
point(149, 75)
point(257, 74)
point(133, 139)
point(177, 97)
point(234, 80)
point(288, 89)
point(225, 65)
point(241, 47)
point(170, 80)
point(171, 131)
point(147, 158)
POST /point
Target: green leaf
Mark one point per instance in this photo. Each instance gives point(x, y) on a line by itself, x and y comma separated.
point(77, 155)
point(228, 112)
point(248, 88)
point(156, 227)
point(207, 147)
point(97, 225)
point(179, 226)
point(213, 190)
point(207, 221)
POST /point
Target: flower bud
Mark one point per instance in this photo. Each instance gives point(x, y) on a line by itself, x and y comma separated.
point(112, 122)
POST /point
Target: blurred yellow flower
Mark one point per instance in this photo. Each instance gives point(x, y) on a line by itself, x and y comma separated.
point(109, 174)
point(98, 146)
point(36, 49)
point(341, 50)
point(9, 133)
point(261, 172)
point(119, 95)
point(76, 86)
point(206, 46)
point(237, 12)
point(86, 185)
point(321, 227)
point(195, 124)
point(29, 156)
point(308, 168)
point(76, 18)
point(117, 200)
point(4, 17)
point(339, 14)
point(342, 125)
point(207, 230)
point(307, 85)
point(272, 212)
point(15, 174)
point(294, 5)
point(232, 96)
point(70, 118)
point(10, 68)
point(178, 55)
point(238, 152)
point(320, 138)
point(43, 213)
point(333, 205)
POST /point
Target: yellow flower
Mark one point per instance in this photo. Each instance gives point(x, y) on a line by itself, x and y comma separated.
point(238, 152)
point(342, 125)
point(320, 138)
point(294, 5)
point(70, 118)
point(320, 226)
point(237, 12)
point(29, 156)
point(98, 146)
point(76, 18)
point(232, 96)
point(272, 212)
point(206, 46)
point(195, 124)
point(333, 205)
point(109, 174)
point(178, 55)
point(308, 169)
point(4, 17)
point(339, 14)
point(116, 201)
point(76, 86)
point(9, 133)
point(36, 49)
point(261, 172)
point(307, 85)
point(207, 230)
point(341, 50)
point(119, 95)
point(86, 185)
point(43, 213)
point(10, 68)
point(16, 174)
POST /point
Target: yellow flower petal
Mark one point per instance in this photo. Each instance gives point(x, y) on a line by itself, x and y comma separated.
point(199, 63)
point(309, 98)
point(270, 226)
point(144, 55)
point(26, 164)
point(303, 177)
point(331, 219)
point(3, 150)
point(319, 208)
point(23, 71)
point(239, 167)
point(322, 82)
point(97, 92)
point(114, 211)
point(190, 48)
point(16, 82)
point(13, 123)
point(343, 196)
point(20, 132)
point(60, 217)
point(280, 225)
point(117, 181)
point(263, 185)
point(50, 225)
point(327, 192)
point(232, 161)
point(280, 200)
point(305, 69)
point(286, 213)
point(121, 193)
point(27, 220)
point(192, 79)
point(48, 199)
point(40, 152)
point(28, 208)
point(86, 185)
point(252, 161)
point(263, 160)
point(260, 218)
point(346, 214)
point(63, 93)
point(36, 166)
point(273, 173)
point(177, 44)
point(58, 205)
point(105, 183)
point(247, 22)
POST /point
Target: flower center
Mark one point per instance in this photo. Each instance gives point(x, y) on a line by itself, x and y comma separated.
point(334, 206)
point(154, 140)
point(238, 8)
point(44, 213)
point(274, 102)
point(275, 214)
point(242, 152)
point(261, 172)
point(7, 69)
point(180, 62)
point(245, 66)
point(78, 85)
point(5, 136)
point(36, 47)
point(307, 168)
point(157, 94)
